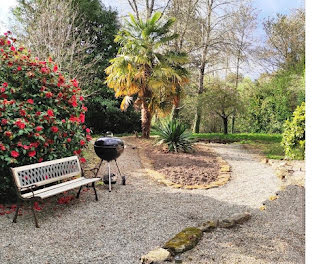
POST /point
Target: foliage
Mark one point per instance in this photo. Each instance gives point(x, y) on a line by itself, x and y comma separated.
point(105, 115)
point(222, 99)
point(145, 67)
point(51, 28)
point(285, 40)
point(271, 100)
point(42, 114)
point(294, 134)
point(173, 133)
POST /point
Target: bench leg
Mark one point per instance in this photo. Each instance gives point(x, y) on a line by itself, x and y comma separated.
point(34, 214)
point(93, 185)
point(17, 210)
point(78, 194)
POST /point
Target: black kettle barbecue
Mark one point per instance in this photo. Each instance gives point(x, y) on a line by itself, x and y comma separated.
point(109, 148)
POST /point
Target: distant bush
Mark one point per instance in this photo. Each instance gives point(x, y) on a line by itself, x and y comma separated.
point(104, 114)
point(42, 114)
point(294, 134)
point(174, 134)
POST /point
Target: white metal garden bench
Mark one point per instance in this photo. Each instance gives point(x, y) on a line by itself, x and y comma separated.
point(42, 180)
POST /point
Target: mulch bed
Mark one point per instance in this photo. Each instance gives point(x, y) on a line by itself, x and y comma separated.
point(197, 168)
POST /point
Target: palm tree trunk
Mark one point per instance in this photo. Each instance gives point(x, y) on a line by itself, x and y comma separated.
point(146, 118)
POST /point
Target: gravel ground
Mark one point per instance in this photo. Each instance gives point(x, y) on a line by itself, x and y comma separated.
point(136, 218)
point(273, 236)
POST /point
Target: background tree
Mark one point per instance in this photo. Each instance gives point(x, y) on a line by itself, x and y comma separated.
point(89, 28)
point(143, 68)
point(221, 99)
point(242, 41)
point(285, 43)
point(50, 28)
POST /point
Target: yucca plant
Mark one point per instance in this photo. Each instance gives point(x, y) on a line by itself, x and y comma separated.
point(175, 135)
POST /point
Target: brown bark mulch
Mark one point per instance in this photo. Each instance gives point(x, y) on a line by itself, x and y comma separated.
point(197, 168)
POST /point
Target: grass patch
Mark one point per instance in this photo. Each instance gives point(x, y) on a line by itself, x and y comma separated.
point(268, 144)
point(248, 137)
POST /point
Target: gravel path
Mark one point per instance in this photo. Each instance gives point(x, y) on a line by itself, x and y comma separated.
point(133, 219)
point(251, 182)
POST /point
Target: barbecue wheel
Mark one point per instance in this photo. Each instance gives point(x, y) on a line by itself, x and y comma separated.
point(123, 180)
point(106, 179)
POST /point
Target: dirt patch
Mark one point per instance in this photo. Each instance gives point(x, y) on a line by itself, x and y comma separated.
point(198, 168)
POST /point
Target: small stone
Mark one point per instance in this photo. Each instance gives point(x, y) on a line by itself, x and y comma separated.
point(241, 218)
point(185, 240)
point(227, 223)
point(265, 160)
point(155, 256)
point(225, 168)
point(208, 226)
point(281, 173)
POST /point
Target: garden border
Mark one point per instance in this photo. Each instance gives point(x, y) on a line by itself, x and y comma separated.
point(223, 177)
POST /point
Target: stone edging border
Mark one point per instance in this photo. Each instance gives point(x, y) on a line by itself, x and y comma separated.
point(189, 237)
point(223, 177)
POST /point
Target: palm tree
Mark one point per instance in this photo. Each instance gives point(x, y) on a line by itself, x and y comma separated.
point(145, 67)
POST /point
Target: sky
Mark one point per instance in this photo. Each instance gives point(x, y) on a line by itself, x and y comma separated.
point(266, 8)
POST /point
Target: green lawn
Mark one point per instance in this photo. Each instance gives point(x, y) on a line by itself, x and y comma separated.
point(268, 144)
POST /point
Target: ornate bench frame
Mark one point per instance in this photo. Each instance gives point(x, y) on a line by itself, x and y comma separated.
point(39, 181)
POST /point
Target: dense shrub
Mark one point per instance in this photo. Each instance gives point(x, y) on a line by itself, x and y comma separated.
point(104, 114)
point(294, 134)
point(42, 114)
point(173, 133)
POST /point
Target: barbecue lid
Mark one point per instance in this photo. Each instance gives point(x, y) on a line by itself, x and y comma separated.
point(111, 142)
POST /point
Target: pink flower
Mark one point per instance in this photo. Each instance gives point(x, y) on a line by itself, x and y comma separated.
point(44, 70)
point(50, 112)
point(54, 129)
point(19, 68)
point(4, 122)
point(4, 84)
point(75, 83)
point(30, 101)
point(39, 128)
point(82, 142)
point(12, 48)
point(55, 68)
point(14, 154)
point(82, 118)
point(32, 153)
point(20, 124)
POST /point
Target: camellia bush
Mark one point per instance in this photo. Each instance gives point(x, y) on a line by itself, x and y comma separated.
point(42, 114)
point(294, 134)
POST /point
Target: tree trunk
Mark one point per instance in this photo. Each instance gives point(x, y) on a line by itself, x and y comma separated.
point(233, 122)
point(225, 123)
point(176, 103)
point(198, 114)
point(146, 118)
point(197, 120)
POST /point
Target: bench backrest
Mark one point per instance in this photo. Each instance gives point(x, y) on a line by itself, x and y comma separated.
point(43, 173)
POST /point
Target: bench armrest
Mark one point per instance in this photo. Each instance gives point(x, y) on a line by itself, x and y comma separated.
point(30, 188)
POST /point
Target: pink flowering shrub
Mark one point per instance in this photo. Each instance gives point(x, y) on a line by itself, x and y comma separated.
point(42, 114)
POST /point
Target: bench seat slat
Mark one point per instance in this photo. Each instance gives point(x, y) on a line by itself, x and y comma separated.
point(59, 188)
